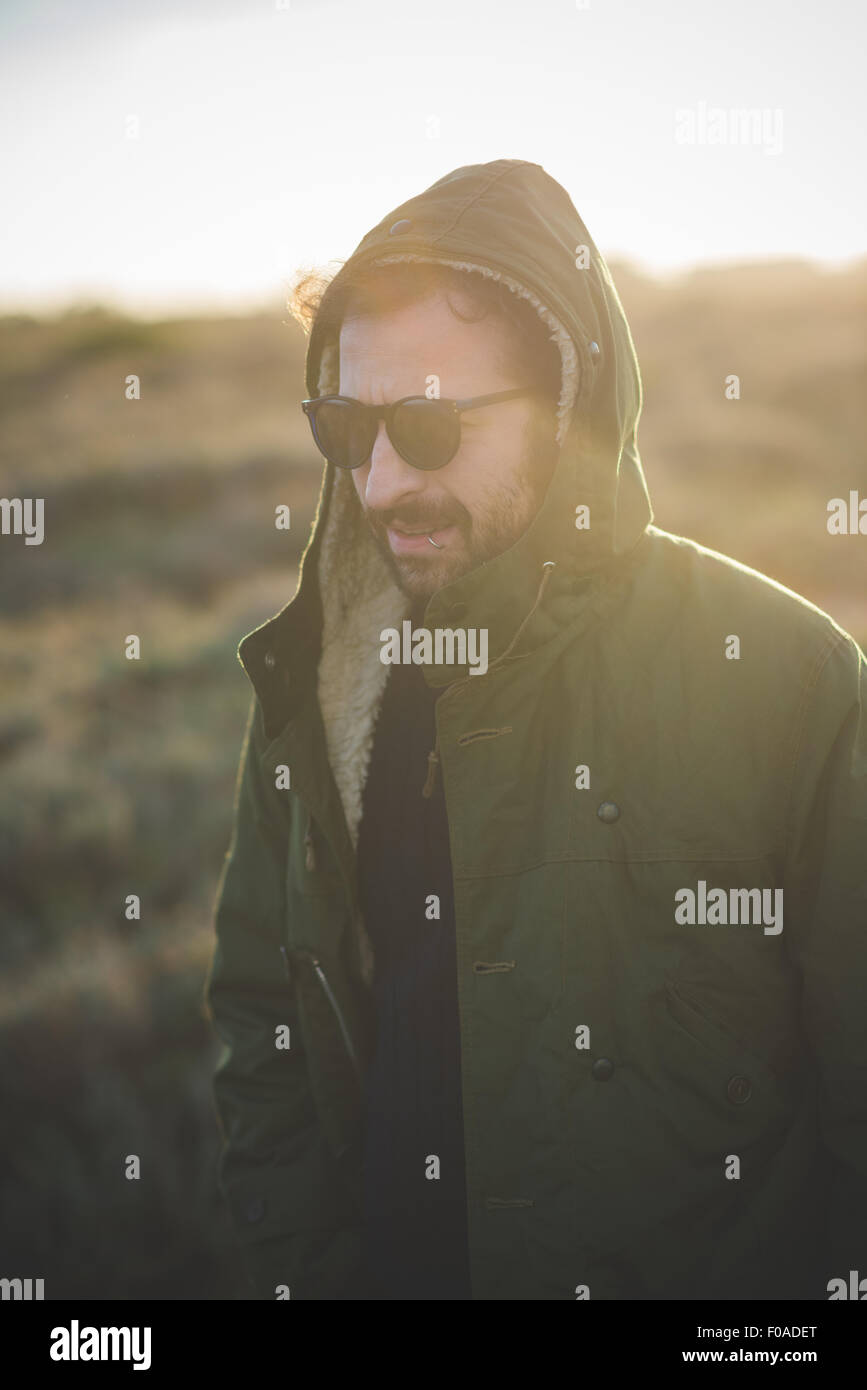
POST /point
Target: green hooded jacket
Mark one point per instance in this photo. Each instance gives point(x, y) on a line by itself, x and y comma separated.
point(654, 1107)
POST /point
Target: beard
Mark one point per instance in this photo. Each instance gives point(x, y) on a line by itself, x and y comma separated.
point(474, 541)
point(508, 510)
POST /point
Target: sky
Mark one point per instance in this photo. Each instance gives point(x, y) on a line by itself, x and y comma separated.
point(196, 154)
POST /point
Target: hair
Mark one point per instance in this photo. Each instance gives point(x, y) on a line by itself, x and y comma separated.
point(528, 352)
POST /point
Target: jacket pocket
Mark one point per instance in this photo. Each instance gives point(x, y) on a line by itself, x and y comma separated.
point(295, 1227)
point(715, 1092)
point(717, 1037)
point(735, 1088)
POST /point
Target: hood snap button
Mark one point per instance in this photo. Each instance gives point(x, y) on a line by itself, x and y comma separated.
point(594, 349)
point(602, 1069)
point(397, 227)
point(608, 812)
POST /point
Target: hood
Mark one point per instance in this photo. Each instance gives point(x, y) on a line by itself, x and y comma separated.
point(510, 220)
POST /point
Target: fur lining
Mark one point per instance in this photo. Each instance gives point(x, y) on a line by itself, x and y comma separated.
point(359, 595)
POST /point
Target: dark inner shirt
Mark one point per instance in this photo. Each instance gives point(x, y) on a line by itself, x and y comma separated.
point(415, 1227)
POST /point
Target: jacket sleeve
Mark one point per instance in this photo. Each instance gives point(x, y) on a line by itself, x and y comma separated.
point(293, 1218)
point(827, 880)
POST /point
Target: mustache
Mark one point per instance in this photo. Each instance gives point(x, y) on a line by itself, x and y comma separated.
point(408, 521)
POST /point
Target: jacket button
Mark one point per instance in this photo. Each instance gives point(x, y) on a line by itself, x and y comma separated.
point(608, 811)
point(397, 227)
point(255, 1209)
point(739, 1089)
point(270, 660)
point(602, 1069)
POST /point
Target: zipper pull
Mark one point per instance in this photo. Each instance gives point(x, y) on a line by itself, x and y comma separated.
point(285, 954)
point(338, 1012)
point(309, 850)
point(430, 780)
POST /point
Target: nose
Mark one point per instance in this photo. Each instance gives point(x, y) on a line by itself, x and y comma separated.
point(388, 478)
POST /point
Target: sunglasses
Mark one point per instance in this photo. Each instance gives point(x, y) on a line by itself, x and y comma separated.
point(426, 433)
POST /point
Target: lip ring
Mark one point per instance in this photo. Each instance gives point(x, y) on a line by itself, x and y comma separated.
point(433, 542)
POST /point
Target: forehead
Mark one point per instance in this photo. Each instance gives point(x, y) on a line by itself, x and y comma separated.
point(396, 351)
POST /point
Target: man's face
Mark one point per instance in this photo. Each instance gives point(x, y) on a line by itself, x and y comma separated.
point(484, 499)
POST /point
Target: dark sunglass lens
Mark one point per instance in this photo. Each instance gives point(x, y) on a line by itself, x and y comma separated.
point(343, 433)
point(426, 433)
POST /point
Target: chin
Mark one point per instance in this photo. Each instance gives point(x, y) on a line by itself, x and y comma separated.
point(417, 587)
point(418, 583)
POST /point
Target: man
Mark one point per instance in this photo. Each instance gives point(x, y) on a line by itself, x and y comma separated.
point(556, 822)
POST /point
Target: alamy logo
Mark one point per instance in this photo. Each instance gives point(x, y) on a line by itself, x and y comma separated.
point(17, 517)
point(22, 1289)
point(738, 906)
point(444, 646)
point(857, 1288)
point(847, 521)
point(718, 125)
point(102, 1344)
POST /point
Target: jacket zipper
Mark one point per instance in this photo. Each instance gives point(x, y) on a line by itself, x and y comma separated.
point(338, 1012)
point(329, 994)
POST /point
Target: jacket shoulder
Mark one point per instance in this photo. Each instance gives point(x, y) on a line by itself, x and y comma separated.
point(705, 584)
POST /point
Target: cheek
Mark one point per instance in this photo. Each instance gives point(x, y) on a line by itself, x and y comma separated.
point(492, 469)
point(467, 485)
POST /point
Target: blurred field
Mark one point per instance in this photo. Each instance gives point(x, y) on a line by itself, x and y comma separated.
point(118, 776)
